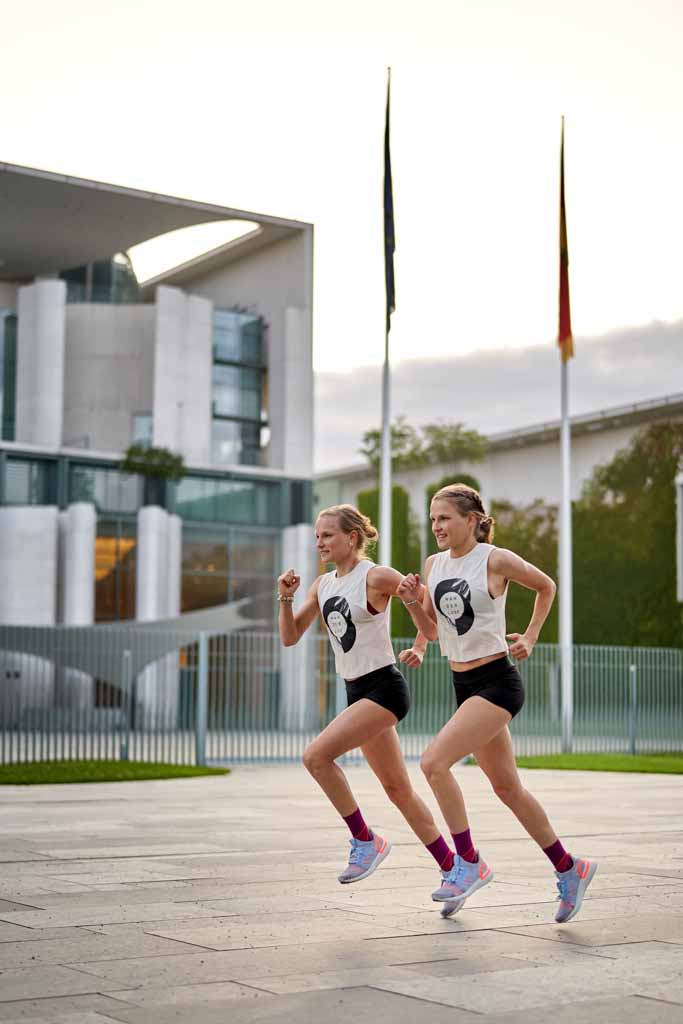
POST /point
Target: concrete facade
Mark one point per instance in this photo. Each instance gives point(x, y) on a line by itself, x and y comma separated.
point(109, 373)
point(40, 363)
point(182, 374)
point(28, 566)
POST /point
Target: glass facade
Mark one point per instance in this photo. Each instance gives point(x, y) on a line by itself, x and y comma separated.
point(239, 417)
point(8, 373)
point(143, 427)
point(115, 565)
point(230, 539)
point(107, 281)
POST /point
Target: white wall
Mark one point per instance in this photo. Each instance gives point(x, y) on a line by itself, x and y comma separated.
point(28, 565)
point(40, 363)
point(298, 677)
point(108, 373)
point(276, 283)
point(182, 373)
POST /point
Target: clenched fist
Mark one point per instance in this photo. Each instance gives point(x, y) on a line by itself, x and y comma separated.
point(410, 588)
point(288, 583)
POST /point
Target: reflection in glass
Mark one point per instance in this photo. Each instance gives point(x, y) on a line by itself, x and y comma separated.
point(115, 569)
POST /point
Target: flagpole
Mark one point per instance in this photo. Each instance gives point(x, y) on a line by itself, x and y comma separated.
point(565, 567)
point(566, 343)
point(385, 484)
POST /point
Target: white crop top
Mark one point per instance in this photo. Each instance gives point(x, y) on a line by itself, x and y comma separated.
point(471, 623)
point(360, 640)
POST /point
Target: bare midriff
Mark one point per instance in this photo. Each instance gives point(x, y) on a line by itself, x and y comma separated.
point(466, 666)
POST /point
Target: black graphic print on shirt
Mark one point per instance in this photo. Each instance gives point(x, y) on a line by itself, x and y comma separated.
point(452, 599)
point(337, 616)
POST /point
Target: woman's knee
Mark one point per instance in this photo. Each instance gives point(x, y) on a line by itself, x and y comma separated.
point(433, 767)
point(509, 791)
point(314, 759)
point(400, 791)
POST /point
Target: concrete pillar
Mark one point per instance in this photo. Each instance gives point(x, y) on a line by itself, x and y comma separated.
point(28, 597)
point(290, 385)
point(78, 526)
point(157, 587)
point(175, 551)
point(183, 336)
point(40, 363)
point(299, 710)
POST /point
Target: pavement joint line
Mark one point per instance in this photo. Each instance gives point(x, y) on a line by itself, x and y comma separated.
point(656, 999)
point(425, 999)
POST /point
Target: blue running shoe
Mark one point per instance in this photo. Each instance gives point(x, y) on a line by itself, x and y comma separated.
point(572, 887)
point(364, 858)
point(462, 881)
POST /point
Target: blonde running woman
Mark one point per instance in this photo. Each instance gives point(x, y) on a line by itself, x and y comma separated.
point(353, 602)
point(464, 607)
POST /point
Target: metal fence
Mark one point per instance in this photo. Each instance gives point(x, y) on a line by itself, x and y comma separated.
point(187, 698)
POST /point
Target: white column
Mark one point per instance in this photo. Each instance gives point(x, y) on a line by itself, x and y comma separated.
point(152, 563)
point(157, 685)
point(28, 597)
point(183, 373)
point(299, 711)
point(175, 550)
point(79, 524)
point(40, 363)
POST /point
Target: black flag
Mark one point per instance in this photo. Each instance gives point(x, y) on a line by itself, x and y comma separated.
point(389, 236)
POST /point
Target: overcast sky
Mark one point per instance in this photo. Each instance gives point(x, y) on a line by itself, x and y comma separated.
point(279, 108)
point(499, 390)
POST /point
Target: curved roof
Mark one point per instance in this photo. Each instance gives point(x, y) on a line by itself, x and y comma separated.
point(51, 222)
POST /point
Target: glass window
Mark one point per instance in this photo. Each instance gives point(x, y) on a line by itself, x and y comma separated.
point(228, 501)
point(237, 337)
point(108, 489)
point(29, 482)
point(204, 569)
point(234, 443)
point(237, 392)
point(115, 569)
point(142, 429)
point(8, 374)
point(254, 552)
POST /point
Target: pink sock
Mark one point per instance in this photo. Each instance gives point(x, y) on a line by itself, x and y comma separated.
point(558, 856)
point(464, 846)
point(441, 854)
point(359, 830)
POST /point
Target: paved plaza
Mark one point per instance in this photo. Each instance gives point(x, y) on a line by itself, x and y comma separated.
point(216, 900)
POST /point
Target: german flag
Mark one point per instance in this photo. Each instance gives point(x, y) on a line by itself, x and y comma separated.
point(564, 336)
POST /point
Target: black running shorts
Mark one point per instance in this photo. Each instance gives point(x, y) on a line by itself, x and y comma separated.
point(498, 682)
point(385, 686)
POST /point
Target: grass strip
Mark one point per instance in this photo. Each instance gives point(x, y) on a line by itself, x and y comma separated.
point(38, 773)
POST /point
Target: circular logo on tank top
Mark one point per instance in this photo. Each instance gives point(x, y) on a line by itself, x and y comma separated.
point(452, 599)
point(337, 616)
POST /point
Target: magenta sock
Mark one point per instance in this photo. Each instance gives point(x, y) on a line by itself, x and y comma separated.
point(441, 854)
point(359, 830)
point(464, 847)
point(558, 856)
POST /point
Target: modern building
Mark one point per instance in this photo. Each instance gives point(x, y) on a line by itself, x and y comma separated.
point(211, 360)
point(520, 466)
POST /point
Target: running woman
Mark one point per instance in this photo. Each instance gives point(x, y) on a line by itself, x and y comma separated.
point(464, 607)
point(353, 601)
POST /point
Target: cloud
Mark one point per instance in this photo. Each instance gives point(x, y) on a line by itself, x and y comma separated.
point(498, 390)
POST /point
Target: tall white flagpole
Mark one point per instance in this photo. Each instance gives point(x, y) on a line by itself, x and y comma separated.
point(566, 343)
point(565, 567)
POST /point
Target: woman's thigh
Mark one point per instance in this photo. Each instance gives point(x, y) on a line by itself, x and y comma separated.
point(473, 725)
point(497, 760)
point(384, 755)
point(354, 727)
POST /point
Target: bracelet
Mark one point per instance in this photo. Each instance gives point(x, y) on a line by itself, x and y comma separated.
point(285, 599)
point(407, 604)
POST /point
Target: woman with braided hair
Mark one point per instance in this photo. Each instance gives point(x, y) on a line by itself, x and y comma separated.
point(463, 605)
point(353, 602)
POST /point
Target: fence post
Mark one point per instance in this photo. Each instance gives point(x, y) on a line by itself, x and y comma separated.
point(633, 707)
point(124, 752)
point(201, 709)
point(567, 677)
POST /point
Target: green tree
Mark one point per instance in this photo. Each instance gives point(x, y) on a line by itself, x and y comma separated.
point(430, 491)
point(405, 545)
point(428, 445)
point(624, 545)
point(532, 533)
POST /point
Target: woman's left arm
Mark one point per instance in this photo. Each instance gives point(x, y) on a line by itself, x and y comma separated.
point(510, 566)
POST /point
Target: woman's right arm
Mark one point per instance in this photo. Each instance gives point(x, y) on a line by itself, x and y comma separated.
point(293, 625)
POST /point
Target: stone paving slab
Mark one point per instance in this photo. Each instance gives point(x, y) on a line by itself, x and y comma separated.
point(195, 901)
